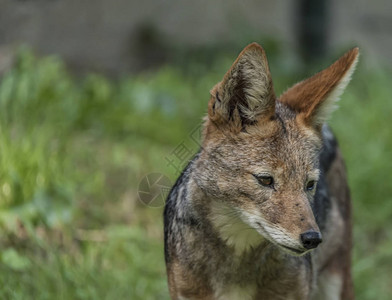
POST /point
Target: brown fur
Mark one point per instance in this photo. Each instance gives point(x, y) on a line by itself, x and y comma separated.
point(307, 96)
point(229, 97)
point(183, 282)
point(341, 261)
point(228, 235)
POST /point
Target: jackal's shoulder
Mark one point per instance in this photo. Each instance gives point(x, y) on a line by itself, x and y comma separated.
point(175, 212)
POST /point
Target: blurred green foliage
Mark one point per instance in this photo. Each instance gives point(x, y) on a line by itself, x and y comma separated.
point(74, 149)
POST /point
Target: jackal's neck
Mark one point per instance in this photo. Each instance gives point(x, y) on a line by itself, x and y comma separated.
point(232, 230)
point(220, 221)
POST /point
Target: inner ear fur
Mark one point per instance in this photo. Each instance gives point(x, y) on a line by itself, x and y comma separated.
point(315, 98)
point(245, 95)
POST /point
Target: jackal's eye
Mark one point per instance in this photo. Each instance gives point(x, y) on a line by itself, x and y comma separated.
point(311, 185)
point(267, 181)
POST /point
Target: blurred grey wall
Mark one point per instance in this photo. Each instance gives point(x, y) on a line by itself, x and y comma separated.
point(104, 35)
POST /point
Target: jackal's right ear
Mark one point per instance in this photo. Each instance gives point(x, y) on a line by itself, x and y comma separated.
point(245, 95)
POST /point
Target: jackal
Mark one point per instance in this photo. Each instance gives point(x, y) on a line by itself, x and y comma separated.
point(263, 210)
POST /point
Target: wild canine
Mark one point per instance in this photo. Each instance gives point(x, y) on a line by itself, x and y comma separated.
point(267, 187)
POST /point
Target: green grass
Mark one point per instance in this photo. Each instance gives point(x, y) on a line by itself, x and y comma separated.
point(73, 151)
point(362, 125)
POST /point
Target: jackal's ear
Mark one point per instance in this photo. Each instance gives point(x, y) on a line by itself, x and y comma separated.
point(315, 98)
point(245, 95)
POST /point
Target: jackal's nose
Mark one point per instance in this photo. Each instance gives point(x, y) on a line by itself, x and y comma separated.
point(311, 239)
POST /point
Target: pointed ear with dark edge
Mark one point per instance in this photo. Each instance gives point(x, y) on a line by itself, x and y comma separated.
point(245, 95)
point(315, 98)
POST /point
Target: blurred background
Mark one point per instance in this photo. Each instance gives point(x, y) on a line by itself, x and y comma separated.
point(100, 108)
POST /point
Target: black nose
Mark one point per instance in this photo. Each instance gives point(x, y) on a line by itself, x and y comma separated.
point(311, 239)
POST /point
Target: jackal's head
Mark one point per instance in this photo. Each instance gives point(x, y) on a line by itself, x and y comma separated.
point(260, 156)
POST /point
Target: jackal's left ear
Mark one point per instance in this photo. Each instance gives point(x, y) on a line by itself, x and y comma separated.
point(246, 93)
point(315, 98)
